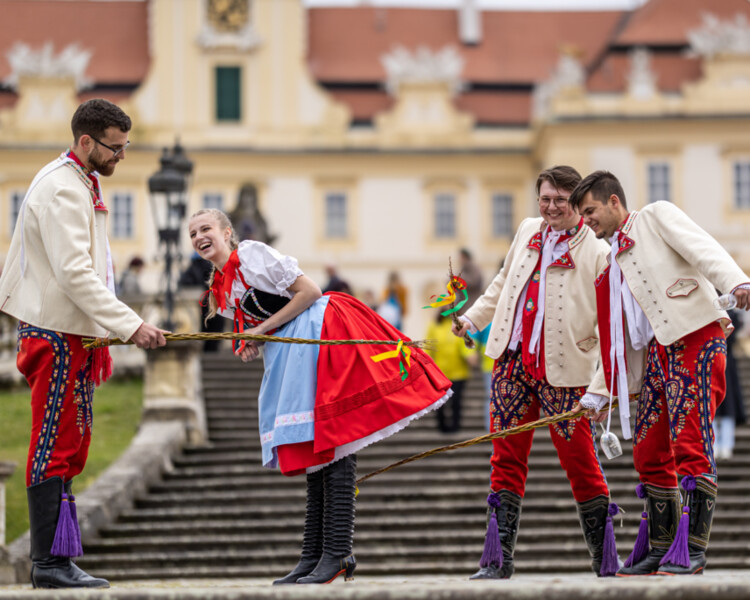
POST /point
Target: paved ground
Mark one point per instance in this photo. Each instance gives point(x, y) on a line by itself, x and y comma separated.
point(727, 585)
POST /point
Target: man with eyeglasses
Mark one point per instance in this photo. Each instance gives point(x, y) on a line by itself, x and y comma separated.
point(543, 337)
point(59, 283)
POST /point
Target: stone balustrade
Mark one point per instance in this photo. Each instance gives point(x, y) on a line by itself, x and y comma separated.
point(6, 571)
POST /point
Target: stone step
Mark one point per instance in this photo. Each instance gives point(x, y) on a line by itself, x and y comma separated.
point(271, 556)
point(219, 513)
point(409, 566)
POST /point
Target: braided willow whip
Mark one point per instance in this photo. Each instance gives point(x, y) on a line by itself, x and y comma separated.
point(468, 342)
point(566, 416)
point(91, 343)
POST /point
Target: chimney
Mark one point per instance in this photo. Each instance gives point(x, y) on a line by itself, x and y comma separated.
point(469, 23)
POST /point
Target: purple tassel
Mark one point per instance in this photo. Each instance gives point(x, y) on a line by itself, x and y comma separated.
point(76, 527)
point(678, 553)
point(640, 491)
point(493, 552)
point(641, 548)
point(67, 535)
point(688, 483)
point(610, 562)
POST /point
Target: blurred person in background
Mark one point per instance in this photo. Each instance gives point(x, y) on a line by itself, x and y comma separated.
point(393, 306)
point(130, 280)
point(455, 360)
point(731, 412)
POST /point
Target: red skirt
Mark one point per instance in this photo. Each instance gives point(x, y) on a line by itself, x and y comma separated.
point(358, 401)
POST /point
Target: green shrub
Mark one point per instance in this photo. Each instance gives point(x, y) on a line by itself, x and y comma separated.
point(117, 413)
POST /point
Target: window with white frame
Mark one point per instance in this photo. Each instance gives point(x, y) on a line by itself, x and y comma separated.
point(742, 184)
point(659, 187)
point(336, 215)
point(122, 215)
point(213, 200)
point(502, 215)
point(445, 215)
point(16, 200)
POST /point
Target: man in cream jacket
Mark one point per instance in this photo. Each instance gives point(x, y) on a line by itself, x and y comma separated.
point(663, 339)
point(58, 282)
point(544, 339)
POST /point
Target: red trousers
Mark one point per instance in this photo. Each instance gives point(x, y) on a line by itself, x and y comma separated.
point(682, 386)
point(518, 399)
point(58, 370)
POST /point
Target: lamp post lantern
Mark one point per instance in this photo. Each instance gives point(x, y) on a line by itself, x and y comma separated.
point(167, 188)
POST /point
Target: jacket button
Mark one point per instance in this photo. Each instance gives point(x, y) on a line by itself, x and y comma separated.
point(562, 354)
point(498, 339)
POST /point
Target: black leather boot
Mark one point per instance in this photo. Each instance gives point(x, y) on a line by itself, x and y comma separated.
point(48, 571)
point(338, 523)
point(508, 516)
point(663, 509)
point(312, 539)
point(701, 502)
point(593, 517)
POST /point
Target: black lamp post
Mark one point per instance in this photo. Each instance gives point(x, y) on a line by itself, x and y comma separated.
point(167, 188)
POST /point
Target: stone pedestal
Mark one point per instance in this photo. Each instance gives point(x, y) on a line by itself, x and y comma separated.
point(7, 573)
point(172, 388)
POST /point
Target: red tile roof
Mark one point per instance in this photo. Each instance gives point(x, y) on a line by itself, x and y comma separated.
point(671, 70)
point(116, 33)
point(346, 44)
point(518, 49)
point(663, 22)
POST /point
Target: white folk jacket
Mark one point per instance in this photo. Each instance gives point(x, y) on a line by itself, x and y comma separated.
point(672, 267)
point(571, 339)
point(63, 242)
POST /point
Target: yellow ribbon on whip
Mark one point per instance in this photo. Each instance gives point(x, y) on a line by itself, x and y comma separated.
point(402, 352)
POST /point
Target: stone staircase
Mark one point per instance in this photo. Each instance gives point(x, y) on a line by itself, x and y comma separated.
point(219, 514)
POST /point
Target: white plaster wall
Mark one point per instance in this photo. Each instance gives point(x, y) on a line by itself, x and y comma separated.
point(288, 207)
point(619, 160)
point(705, 198)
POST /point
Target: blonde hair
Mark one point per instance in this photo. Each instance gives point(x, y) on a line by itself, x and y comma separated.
point(223, 220)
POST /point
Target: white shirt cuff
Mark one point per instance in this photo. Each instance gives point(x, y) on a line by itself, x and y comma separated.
point(744, 286)
point(595, 401)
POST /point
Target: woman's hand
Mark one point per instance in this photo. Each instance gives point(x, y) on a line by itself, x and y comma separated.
point(251, 351)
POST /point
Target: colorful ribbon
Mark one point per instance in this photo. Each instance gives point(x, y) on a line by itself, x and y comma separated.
point(455, 283)
point(401, 351)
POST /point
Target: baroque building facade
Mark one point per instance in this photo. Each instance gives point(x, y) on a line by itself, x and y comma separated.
point(381, 139)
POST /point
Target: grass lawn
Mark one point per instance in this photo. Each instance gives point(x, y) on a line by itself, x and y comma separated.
point(117, 413)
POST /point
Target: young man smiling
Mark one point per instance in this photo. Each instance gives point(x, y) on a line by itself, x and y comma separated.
point(543, 338)
point(662, 338)
point(58, 282)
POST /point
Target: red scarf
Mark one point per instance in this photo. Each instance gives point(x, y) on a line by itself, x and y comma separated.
point(96, 197)
point(535, 364)
point(224, 278)
point(221, 288)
